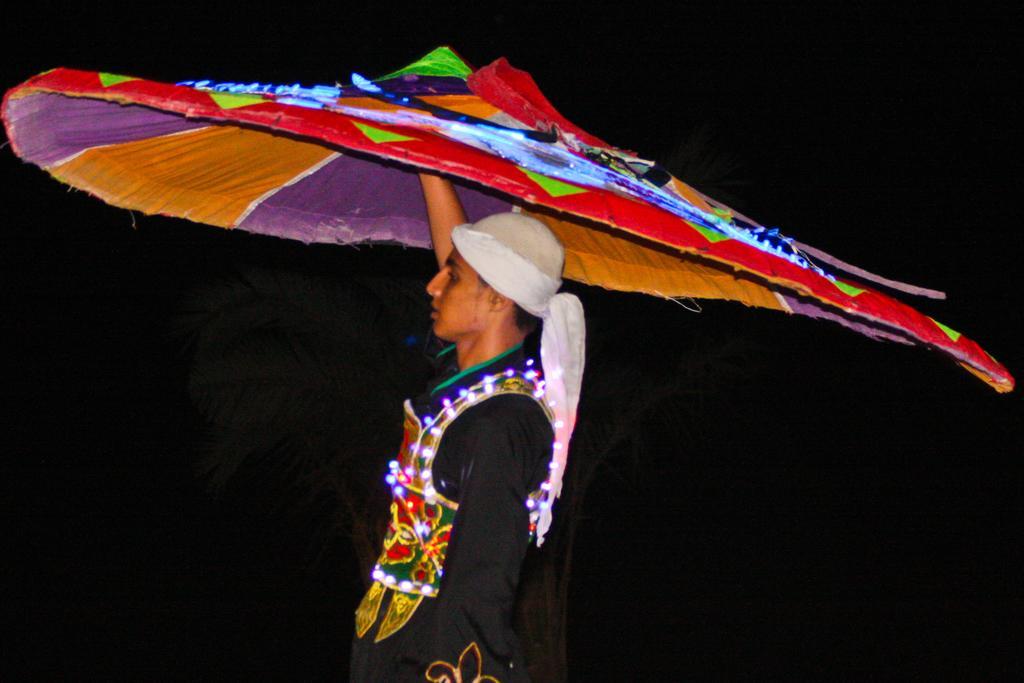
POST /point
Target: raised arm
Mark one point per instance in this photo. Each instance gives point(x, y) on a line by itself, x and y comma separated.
point(444, 211)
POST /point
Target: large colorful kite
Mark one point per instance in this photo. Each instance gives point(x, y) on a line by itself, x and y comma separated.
point(337, 164)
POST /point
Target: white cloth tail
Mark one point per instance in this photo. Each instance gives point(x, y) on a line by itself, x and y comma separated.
point(562, 343)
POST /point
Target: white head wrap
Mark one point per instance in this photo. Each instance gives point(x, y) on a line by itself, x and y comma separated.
point(520, 258)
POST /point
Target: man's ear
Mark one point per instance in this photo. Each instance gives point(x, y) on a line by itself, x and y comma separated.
point(498, 301)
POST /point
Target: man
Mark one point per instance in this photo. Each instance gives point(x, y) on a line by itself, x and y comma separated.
point(482, 458)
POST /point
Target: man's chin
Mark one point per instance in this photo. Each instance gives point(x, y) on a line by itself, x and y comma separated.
point(440, 333)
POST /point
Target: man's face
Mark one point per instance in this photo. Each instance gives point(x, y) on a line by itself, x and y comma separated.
point(459, 300)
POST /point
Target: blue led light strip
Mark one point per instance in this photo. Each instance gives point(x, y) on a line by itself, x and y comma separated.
point(558, 161)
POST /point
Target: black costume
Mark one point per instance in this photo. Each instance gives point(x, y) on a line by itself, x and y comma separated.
point(460, 525)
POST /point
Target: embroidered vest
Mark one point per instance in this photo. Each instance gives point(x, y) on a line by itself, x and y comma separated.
point(412, 562)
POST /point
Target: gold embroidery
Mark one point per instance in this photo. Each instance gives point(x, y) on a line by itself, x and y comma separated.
point(366, 613)
point(402, 533)
point(443, 672)
point(416, 542)
point(401, 608)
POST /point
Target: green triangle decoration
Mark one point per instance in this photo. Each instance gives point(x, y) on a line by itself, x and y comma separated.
point(950, 332)
point(227, 100)
point(440, 62)
point(553, 186)
point(107, 80)
point(724, 214)
point(847, 289)
point(378, 135)
point(709, 234)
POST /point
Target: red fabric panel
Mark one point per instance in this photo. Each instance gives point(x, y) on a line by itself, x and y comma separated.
point(515, 92)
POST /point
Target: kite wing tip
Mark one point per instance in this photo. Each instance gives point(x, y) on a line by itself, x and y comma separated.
point(1002, 381)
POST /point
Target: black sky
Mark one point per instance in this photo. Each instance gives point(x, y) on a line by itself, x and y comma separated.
point(850, 509)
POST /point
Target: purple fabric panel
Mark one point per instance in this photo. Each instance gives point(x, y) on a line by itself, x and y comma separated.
point(351, 199)
point(47, 127)
point(813, 310)
point(478, 204)
point(411, 84)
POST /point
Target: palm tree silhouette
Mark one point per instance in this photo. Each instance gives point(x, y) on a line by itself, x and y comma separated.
point(299, 377)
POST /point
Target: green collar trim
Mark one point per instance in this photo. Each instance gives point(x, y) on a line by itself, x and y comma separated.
point(452, 380)
point(445, 351)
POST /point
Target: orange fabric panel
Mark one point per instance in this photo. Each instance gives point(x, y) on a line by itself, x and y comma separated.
point(371, 103)
point(687, 193)
point(597, 256)
point(210, 175)
point(464, 104)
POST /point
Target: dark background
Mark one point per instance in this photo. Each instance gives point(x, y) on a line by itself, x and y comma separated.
point(850, 509)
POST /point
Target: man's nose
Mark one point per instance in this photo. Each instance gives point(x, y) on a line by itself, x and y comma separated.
point(433, 287)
